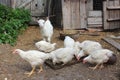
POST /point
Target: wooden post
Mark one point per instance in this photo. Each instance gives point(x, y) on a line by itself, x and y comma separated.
point(83, 16)
point(66, 14)
point(105, 15)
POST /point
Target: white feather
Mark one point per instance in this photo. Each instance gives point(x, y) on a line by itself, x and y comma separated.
point(88, 47)
point(69, 42)
point(34, 57)
point(46, 29)
point(45, 46)
point(99, 56)
point(62, 55)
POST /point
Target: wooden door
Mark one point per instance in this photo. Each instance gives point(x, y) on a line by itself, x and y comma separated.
point(111, 14)
point(73, 14)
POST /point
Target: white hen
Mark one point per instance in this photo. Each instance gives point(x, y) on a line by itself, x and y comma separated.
point(88, 47)
point(69, 42)
point(46, 29)
point(45, 46)
point(98, 57)
point(34, 57)
point(41, 22)
point(77, 47)
point(62, 55)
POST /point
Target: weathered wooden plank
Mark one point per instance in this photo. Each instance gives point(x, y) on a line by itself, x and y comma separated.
point(111, 15)
point(83, 16)
point(117, 14)
point(95, 13)
point(112, 42)
point(95, 26)
point(26, 3)
point(89, 6)
point(113, 8)
point(66, 10)
point(113, 19)
point(105, 15)
point(95, 20)
point(75, 14)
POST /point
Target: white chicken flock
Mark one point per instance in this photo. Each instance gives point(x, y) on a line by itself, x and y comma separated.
point(94, 51)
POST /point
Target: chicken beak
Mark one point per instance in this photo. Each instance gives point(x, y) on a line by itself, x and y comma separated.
point(78, 58)
point(13, 51)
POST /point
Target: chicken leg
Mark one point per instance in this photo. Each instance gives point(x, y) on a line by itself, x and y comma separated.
point(94, 67)
point(101, 66)
point(41, 69)
point(31, 72)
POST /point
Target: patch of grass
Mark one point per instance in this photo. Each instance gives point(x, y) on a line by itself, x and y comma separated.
point(12, 22)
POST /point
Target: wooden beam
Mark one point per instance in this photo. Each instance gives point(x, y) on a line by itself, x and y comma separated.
point(113, 8)
point(113, 20)
point(112, 42)
point(83, 15)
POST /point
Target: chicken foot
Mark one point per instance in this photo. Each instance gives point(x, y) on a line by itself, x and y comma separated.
point(41, 69)
point(31, 72)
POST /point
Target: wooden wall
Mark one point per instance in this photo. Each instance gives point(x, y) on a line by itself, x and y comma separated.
point(111, 14)
point(37, 7)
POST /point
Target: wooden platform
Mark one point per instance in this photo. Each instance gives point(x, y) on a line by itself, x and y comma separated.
point(59, 66)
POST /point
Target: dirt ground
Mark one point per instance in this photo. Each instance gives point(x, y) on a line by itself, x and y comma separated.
point(12, 67)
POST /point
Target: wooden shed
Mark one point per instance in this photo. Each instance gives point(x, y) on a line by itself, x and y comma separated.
point(74, 14)
point(78, 14)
